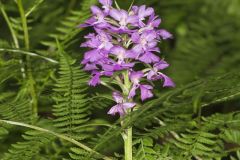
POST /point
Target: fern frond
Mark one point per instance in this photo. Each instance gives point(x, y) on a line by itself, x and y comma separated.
point(199, 144)
point(146, 150)
point(71, 109)
point(17, 110)
point(30, 148)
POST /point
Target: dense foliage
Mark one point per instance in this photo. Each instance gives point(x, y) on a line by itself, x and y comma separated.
point(48, 111)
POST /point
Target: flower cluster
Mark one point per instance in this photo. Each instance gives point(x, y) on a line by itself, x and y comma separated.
point(123, 39)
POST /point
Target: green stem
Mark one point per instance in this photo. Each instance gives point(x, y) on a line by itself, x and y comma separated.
point(127, 135)
point(128, 144)
point(32, 90)
point(24, 24)
point(57, 135)
point(14, 37)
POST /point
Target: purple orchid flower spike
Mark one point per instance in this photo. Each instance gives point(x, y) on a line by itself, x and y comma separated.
point(121, 107)
point(122, 40)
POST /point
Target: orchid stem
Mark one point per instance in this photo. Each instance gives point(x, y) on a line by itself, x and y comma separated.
point(128, 143)
point(127, 135)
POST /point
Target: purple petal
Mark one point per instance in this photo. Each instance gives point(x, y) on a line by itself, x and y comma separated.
point(167, 81)
point(117, 96)
point(115, 14)
point(149, 58)
point(151, 75)
point(117, 109)
point(88, 22)
point(95, 10)
point(138, 49)
point(132, 20)
point(156, 23)
point(146, 92)
point(135, 37)
point(149, 11)
point(127, 65)
point(132, 54)
point(152, 44)
point(149, 35)
point(119, 51)
point(108, 67)
point(93, 55)
point(143, 12)
point(90, 67)
point(161, 65)
point(135, 9)
point(95, 80)
point(128, 105)
point(136, 76)
point(106, 2)
point(164, 34)
point(107, 73)
point(132, 92)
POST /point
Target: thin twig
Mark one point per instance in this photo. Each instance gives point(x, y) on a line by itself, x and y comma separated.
point(28, 53)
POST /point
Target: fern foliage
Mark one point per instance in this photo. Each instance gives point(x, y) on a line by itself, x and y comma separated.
point(30, 148)
point(71, 109)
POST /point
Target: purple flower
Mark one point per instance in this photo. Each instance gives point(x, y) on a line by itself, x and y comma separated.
point(100, 41)
point(145, 89)
point(123, 18)
point(154, 74)
point(152, 23)
point(146, 92)
point(142, 13)
point(136, 76)
point(98, 19)
point(121, 106)
point(144, 41)
point(95, 80)
point(149, 57)
point(164, 34)
point(121, 53)
point(94, 55)
point(90, 66)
